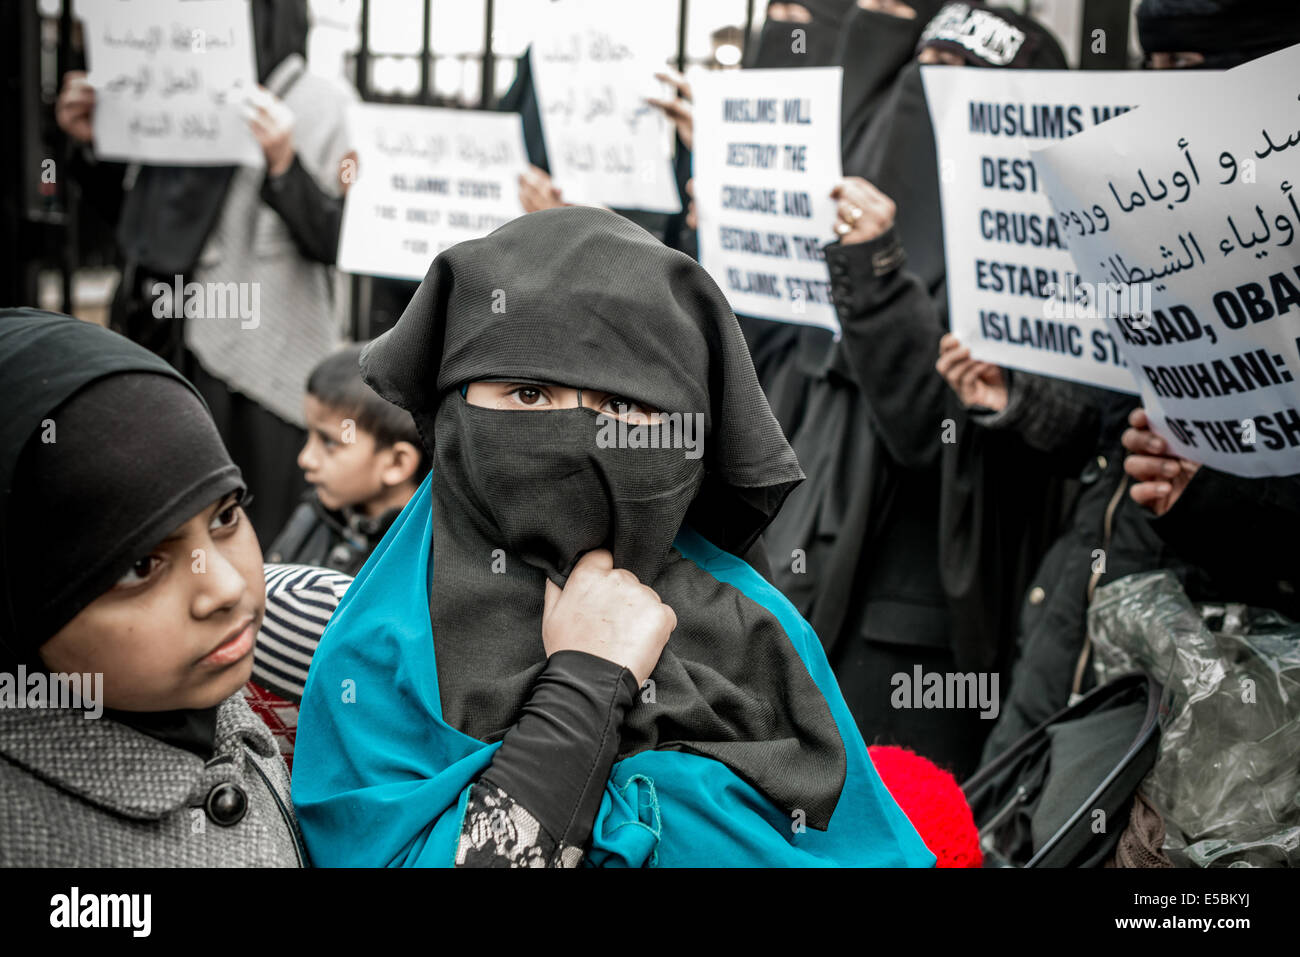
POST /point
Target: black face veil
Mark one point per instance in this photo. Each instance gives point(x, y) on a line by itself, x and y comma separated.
point(795, 43)
point(582, 297)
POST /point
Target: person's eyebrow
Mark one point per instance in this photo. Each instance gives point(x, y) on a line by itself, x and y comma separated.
point(215, 507)
point(527, 383)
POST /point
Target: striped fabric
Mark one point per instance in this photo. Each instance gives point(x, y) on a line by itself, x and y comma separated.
point(299, 602)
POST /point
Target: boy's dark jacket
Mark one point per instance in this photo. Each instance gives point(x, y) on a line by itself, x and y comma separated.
point(316, 535)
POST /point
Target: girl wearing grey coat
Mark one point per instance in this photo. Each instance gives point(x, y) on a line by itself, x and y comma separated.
point(131, 596)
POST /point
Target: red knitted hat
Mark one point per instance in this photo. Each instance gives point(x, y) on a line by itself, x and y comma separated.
point(933, 802)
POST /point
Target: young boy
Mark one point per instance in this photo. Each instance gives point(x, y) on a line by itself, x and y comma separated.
point(365, 460)
point(129, 573)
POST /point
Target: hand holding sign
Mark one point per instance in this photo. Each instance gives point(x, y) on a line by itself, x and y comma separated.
point(537, 191)
point(865, 213)
point(678, 110)
point(1161, 477)
point(272, 124)
point(75, 109)
point(976, 383)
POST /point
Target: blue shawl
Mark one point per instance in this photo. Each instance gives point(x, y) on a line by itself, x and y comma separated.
point(381, 780)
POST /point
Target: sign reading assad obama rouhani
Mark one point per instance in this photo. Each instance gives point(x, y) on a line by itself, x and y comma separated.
point(1014, 295)
point(1198, 198)
point(767, 155)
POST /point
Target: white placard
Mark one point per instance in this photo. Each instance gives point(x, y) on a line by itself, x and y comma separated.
point(1197, 202)
point(1013, 294)
point(593, 67)
point(170, 79)
point(767, 155)
point(427, 178)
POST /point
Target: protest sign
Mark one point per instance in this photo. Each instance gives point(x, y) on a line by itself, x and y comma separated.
point(593, 67)
point(1013, 294)
point(1195, 201)
point(767, 155)
point(426, 178)
point(170, 80)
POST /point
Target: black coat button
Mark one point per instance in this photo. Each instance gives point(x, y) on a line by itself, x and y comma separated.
point(226, 805)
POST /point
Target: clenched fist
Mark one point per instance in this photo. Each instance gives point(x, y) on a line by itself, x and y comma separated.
point(606, 612)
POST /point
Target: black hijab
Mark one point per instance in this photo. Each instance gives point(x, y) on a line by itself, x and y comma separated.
point(896, 150)
point(1226, 32)
point(873, 48)
point(581, 297)
point(106, 450)
point(792, 43)
point(170, 211)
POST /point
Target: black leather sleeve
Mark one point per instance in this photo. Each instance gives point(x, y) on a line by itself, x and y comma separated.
point(556, 759)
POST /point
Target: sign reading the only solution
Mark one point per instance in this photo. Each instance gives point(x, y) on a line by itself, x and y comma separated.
point(427, 178)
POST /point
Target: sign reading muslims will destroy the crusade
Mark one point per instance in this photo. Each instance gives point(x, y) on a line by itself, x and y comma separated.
point(593, 67)
point(171, 79)
point(426, 178)
point(1198, 200)
point(1014, 296)
point(767, 155)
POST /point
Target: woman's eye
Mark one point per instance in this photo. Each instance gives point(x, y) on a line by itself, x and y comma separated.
point(228, 517)
point(527, 396)
point(140, 571)
point(623, 408)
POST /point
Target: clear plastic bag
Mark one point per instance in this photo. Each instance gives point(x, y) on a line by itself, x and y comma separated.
point(1227, 779)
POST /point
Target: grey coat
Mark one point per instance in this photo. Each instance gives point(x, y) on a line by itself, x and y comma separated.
point(96, 793)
